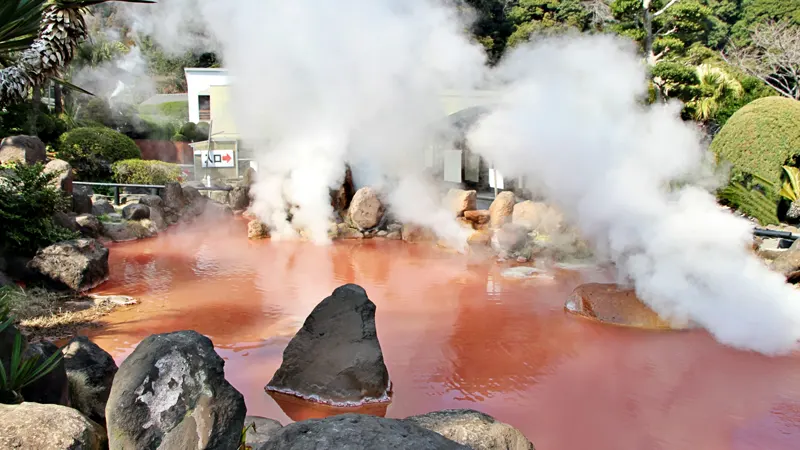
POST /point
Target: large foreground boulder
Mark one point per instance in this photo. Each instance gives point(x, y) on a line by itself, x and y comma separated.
point(336, 356)
point(90, 371)
point(501, 209)
point(474, 429)
point(459, 201)
point(53, 387)
point(22, 149)
point(170, 393)
point(173, 196)
point(358, 432)
point(366, 209)
point(48, 427)
point(78, 265)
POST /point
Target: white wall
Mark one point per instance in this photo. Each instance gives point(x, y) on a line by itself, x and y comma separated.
point(199, 80)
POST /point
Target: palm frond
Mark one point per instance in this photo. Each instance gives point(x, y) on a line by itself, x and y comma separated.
point(791, 188)
point(19, 23)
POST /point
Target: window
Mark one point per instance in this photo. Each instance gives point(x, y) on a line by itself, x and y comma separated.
point(205, 107)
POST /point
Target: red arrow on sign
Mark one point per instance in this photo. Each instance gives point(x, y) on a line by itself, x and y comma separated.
point(226, 158)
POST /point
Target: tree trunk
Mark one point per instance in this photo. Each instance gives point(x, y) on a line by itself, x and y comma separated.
point(36, 103)
point(58, 101)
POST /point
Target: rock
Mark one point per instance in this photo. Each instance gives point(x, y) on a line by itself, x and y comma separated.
point(157, 214)
point(260, 432)
point(394, 236)
point(82, 189)
point(394, 227)
point(63, 171)
point(416, 233)
point(345, 231)
point(478, 217)
point(101, 207)
point(136, 212)
point(343, 196)
point(508, 239)
point(23, 149)
point(218, 196)
point(239, 197)
point(152, 201)
point(90, 371)
point(195, 201)
point(78, 265)
point(366, 209)
point(382, 233)
point(171, 393)
point(501, 209)
point(173, 197)
point(65, 220)
point(609, 303)
point(357, 432)
point(458, 201)
point(769, 249)
point(788, 263)
point(52, 388)
point(538, 216)
point(474, 429)
point(480, 237)
point(48, 427)
point(216, 211)
point(336, 356)
point(257, 229)
point(82, 204)
point(128, 230)
point(249, 177)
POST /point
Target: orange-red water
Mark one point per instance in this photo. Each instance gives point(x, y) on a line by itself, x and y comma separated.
point(456, 335)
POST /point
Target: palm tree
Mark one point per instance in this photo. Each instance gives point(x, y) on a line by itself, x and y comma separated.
point(715, 86)
point(60, 30)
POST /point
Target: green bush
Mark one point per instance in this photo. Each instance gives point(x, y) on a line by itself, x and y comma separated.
point(138, 171)
point(170, 110)
point(761, 138)
point(91, 151)
point(178, 137)
point(27, 205)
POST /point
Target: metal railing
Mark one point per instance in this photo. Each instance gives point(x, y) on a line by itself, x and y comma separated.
point(154, 188)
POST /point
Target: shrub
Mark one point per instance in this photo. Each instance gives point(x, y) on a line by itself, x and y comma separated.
point(761, 138)
point(178, 137)
point(169, 110)
point(91, 151)
point(27, 205)
point(138, 171)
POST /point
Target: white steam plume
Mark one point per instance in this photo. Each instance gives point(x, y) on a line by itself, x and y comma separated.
point(573, 119)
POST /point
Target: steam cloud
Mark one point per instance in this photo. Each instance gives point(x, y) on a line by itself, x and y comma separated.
point(318, 85)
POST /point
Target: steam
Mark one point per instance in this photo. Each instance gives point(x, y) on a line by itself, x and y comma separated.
point(321, 84)
point(572, 118)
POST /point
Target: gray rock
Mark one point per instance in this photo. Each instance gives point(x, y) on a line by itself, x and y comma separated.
point(126, 231)
point(474, 429)
point(23, 149)
point(63, 171)
point(102, 207)
point(157, 217)
point(170, 393)
point(173, 197)
point(260, 432)
point(78, 265)
point(82, 203)
point(366, 209)
point(65, 220)
point(52, 388)
point(136, 212)
point(90, 371)
point(153, 201)
point(218, 196)
point(357, 432)
point(195, 201)
point(89, 225)
point(239, 197)
point(216, 211)
point(788, 263)
point(336, 355)
point(48, 427)
point(82, 190)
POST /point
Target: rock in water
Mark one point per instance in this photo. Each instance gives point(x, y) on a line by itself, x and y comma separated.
point(171, 393)
point(609, 303)
point(90, 371)
point(336, 357)
point(257, 229)
point(48, 427)
point(264, 429)
point(79, 265)
point(172, 194)
point(358, 432)
point(459, 201)
point(101, 207)
point(501, 209)
point(474, 429)
point(417, 233)
point(366, 209)
point(89, 225)
point(52, 388)
point(63, 173)
point(22, 149)
point(136, 212)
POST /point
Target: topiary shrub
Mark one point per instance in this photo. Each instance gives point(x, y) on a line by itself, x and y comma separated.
point(761, 138)
point(138, 171)
point(91, 151)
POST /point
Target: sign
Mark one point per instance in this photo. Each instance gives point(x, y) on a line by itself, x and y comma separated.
point(217, 158)
point(495, 179)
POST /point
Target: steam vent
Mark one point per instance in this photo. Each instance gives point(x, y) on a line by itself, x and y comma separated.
point(609, 303)
point(336, 358)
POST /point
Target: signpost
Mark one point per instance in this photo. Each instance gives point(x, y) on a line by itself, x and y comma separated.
point(217, 158)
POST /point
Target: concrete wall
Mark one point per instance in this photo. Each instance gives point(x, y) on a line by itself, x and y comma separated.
point(200, 80)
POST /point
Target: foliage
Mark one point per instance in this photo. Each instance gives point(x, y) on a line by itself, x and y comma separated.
point(91, 151)
point(761, 137)
point(27, 204)
point(529, 17)
point(138, 171)
point(791, 187)
point(752, 200)
point(752, 89)
point(177, 111)
point(243, 439)
point(19, 24)
point(15, 119)
point(715, 86)
point(22, 372)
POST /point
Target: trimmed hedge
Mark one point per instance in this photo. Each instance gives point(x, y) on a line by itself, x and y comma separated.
point(92, 151)
point(761, 137)
point(139, 171)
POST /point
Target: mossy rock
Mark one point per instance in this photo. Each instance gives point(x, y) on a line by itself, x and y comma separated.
point(761, 137)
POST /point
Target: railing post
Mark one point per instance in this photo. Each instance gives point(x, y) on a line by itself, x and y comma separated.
point(116, 195)
point(153, 191)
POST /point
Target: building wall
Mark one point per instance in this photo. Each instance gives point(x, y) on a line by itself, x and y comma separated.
point(199, 80)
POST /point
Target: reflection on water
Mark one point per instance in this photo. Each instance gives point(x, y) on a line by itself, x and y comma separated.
point(456, 334)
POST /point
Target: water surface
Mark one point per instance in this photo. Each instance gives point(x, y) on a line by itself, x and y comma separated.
point(456, 334)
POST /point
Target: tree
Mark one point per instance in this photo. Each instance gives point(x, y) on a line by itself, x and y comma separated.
point(19, 23)
point(715, 86)
point(773, 56)
point(61, 29)
point(529, 17)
